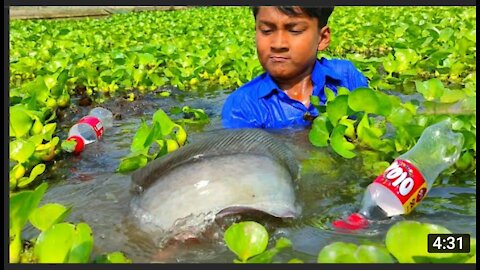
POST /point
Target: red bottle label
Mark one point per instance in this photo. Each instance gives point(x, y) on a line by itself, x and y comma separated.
point(95, 123)
point(406, 182)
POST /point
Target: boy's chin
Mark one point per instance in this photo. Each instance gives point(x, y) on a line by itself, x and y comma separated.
point(278, 71)
point(283, 72)
point(282, 76)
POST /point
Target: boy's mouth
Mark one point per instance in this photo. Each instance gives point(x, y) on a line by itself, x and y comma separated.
point(278, 59)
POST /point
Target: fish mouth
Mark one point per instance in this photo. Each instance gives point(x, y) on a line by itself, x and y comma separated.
point(279, 212)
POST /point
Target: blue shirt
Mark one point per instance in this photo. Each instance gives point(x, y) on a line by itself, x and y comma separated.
point(260, 103)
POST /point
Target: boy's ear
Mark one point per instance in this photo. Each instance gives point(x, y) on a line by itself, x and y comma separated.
point(324, 36)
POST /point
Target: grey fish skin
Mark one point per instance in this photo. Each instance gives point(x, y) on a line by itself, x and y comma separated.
point(227, 172)
point(222, 142)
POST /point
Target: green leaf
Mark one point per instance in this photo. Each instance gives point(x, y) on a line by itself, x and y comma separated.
point(315, 100)
point(469, 105)
point(267, 256)
point(82, 245)
point(405, 59)
point(61, 79)
point(329, 94)
point(38, 89)
point(17, 172)
point(343, 91)
point(369, 136)
point(54, 244)
point(145, 58)
point(340, 252)
point(52, 115)
point(349, 123)
point(472, 259)
point(400, 116)
point(36, 139)
point(138, 75)
point(199, 115)
point(162, 147)
point(36, 171)
point(364, 99)
point(337, 252)
point(138, 142)
point(164, 94)
point(340, 144)
point(114, 257)
point(68, 146)
point(157, 80)
point(445, 34)
point(319, 133)
point(21, 150)
point(15, 247)
point(384, 103)
point(55, 65)
point(246, 239)
point(153, 135)
point(465, 161)
point(450, 96)
point(20, 122)
point(389, 64)
point(337, 108)
point(21, 206)
point(45, 216)
point(373, 254)
point(132, 163)
point(168, 73)
point(50, 80)
point(166, 124)
point(432, 89)
point(407, 239)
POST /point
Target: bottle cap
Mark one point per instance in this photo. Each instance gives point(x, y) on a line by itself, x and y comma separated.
point(80, 143)
point(354, 221)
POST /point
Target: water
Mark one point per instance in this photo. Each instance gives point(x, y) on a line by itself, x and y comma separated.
point(330, 187)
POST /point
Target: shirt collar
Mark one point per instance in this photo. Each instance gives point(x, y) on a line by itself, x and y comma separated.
point(319, 72)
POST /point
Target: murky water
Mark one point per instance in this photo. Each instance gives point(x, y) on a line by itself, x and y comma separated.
point(330, 187)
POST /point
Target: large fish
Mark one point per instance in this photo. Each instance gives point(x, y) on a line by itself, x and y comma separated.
point(227, 172)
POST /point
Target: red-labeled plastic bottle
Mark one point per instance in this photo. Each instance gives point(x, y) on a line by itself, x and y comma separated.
point(90, 128)
point(403, 185)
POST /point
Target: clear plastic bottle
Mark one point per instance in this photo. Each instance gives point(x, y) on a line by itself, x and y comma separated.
point(90, 128)
point(402, 186)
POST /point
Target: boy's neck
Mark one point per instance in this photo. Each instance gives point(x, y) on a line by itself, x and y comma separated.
point(300, 90)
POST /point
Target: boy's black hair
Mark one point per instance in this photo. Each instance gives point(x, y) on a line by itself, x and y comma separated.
point(321, 13)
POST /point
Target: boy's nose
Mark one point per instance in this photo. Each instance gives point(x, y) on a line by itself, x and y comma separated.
point(279, 41)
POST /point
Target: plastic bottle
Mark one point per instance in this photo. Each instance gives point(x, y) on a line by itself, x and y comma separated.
point(403, 185)
point(90, 128)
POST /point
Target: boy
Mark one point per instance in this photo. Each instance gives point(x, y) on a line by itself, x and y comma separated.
point(288, 39)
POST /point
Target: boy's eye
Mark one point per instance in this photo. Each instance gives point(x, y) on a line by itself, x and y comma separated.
point(296, 31)
point(265, 31)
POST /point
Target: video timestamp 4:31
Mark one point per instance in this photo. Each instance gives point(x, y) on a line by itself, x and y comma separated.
point(449, 243)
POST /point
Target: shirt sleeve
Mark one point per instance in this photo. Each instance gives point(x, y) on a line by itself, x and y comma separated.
point(355, 78)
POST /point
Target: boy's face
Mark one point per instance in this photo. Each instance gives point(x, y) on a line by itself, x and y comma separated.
point(287, 46)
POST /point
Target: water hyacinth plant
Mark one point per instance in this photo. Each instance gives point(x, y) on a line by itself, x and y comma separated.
point(405, 242)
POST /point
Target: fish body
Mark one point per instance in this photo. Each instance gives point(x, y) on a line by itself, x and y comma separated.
point(227, 172)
